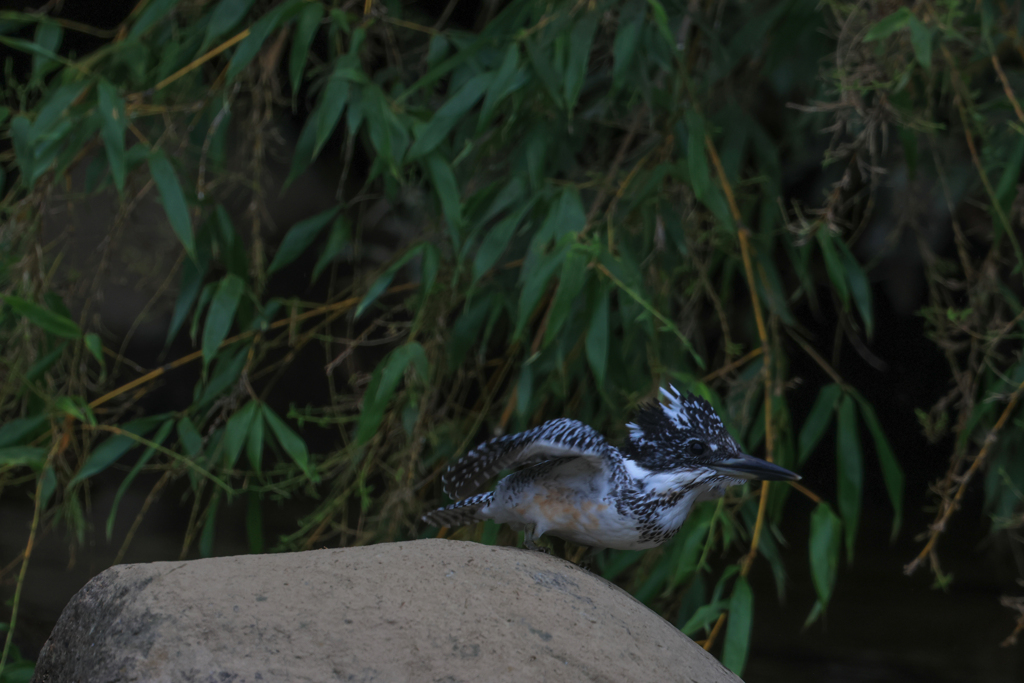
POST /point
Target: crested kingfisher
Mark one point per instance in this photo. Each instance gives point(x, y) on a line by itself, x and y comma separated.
point(575, 485)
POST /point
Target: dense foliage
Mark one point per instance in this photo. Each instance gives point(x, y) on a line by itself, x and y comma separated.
point(587, 200)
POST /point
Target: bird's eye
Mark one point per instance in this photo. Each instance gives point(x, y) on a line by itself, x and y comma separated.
point(698, 448)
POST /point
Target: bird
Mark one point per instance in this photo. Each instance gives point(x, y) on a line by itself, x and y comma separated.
point(575, 485)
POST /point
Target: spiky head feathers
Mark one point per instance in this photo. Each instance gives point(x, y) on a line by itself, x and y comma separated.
point(682, 431)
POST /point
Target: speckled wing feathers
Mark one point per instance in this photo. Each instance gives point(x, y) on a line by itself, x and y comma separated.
point(562, 438)
point(458, 514)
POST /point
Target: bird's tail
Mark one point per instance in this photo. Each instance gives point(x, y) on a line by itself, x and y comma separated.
point(459, 514)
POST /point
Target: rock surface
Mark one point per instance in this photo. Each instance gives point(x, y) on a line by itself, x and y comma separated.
point(434, 610)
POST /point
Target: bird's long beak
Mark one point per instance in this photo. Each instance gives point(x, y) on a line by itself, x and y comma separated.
point(743, 466)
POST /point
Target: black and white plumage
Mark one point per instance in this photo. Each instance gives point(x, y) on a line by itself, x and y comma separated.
point(577, 486)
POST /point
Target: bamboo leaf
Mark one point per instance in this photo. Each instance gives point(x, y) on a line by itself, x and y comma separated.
point(382, 282)
point(254, 444)
point(339, 237)
point(111, 450)
point(836, 271)
point(449, 114)
point(570, 282)
point(161, 435)
point(54, 323)
point(110, 109)
point(892, 473)
point(849, 471)
point(889, 25)
point(824, 543)
point(704, 616)
point(384, 382)
point(174, 200)
point(235, 432)
point(447, 188)
point(597, 338)
point(580, 41)
point(921, 41)
point(220, 315)
point(299, 237)
point(818, 420)
point(737, 630)
point(305, 30)
point(291, 442)
point(860, 288)
point(225, 16)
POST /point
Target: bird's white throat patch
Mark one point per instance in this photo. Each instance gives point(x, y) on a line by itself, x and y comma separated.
point(665, 483)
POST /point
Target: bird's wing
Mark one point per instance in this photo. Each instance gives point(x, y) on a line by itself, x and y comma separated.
point(562, 438)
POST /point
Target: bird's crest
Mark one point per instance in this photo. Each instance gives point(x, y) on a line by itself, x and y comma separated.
point(687, 414)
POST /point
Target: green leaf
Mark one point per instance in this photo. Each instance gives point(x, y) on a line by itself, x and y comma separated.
point(737, 629)
point(291, 442)
point(338, 238)
point(206, 537)
point(95, 346)
point(447, 188)
point(189, 437)
point(110, 109)
point(258, 34)
point(76, 407)
point(305, 30)
point(235, 432)
point(174, 200)
point(47, 38)
point(836, 272)
point(496, 240)
point(22, 428)
point(818, 420)
point(661, 21)
point(860, 288)
point(254, 444)
point(540, 60)
point(580, 41)
point(14, 456)
point(450, 113)
point(220, 315)
point(697, 158)
point(849, 471)
point(299, 237)
point(524, 392)
point(381, 283)
point(921, 41)
point(597, 338)
point(24, 153)
point(224, 17)
point(111, 450)
point(892, 473)
point(570, 282)
point(155, 11)
point(501, 85)
point(54, 323)
point(192, 275)
point(631, 25)
point(704, 616)
point(332, 104)
point(45, 363)
point(534, 277)
point(384, 382)
point(302, 157)
point(466, 330)
point(824, 543)
point(565, 216)
point(161, 435)
point(889, 25)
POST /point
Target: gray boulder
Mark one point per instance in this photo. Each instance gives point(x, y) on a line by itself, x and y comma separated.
point(432, 610)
